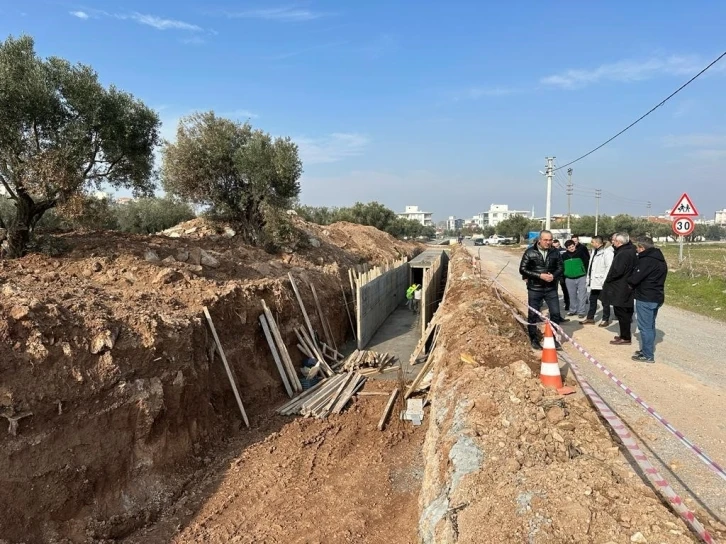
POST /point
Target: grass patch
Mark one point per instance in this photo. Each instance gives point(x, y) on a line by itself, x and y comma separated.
point(698, 284)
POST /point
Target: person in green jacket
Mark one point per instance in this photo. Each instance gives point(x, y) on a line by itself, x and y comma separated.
point(409, 296)
point(575, 272)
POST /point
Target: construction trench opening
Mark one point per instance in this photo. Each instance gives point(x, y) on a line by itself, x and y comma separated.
point(126, 428)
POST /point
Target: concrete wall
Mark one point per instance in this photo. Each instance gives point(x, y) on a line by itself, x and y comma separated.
point(432, 289)
point(378, 297)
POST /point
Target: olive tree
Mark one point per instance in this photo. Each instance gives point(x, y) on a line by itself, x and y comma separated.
point(239, 172)
point(62, 134)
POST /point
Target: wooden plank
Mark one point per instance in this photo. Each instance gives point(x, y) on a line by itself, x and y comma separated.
point(294, 380)
point(226, 367)
point(318, 356)
point(304, 351)
point(334, 397)
point(348, 393)
point(275, 355)
point(300, 302)
point(387, 410)
point(347, 311)
point(323, 323)
point(297, 401)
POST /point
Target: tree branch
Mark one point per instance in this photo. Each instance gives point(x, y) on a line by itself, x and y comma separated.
point(37, 136)
point(110, 168)
point(7, 188)
point(92, 162)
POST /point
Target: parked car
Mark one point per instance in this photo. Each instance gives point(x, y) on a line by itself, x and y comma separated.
point(496, 239)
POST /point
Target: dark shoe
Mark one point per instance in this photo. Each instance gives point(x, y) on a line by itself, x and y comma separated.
point(558, 346)
point(571, 313)
point(535, 344)
point(562, 320)
point(587, 321)
point(638, 353)
point(620, 342)
point(642, 359)
point(604, 323)
point(616, 337)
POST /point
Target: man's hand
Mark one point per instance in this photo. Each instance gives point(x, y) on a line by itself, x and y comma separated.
point(546, 276)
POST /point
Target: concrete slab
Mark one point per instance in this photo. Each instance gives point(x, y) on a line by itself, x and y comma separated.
point(398, 336)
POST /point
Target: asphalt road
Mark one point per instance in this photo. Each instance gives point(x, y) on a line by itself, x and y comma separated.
point(686, 385)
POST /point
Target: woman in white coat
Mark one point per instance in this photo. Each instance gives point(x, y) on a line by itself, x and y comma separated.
point(600, 260)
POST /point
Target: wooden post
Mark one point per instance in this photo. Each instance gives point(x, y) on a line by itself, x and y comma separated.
point(302, 307)
point(275, 355)
point(297, 386)
point(387, 410)
point(226, 367)
point(347, 310)
point(323, 322)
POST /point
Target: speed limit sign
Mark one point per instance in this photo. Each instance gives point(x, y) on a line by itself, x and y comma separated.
point(683, 226)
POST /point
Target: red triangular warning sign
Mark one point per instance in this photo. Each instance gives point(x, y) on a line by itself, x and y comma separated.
point(684, 207)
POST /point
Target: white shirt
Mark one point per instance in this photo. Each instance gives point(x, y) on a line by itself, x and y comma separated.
point(417, 294)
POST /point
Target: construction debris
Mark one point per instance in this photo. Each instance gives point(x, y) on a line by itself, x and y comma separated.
point(414, 411)
point(330, 396)
point(387, 410)
point(370, 362)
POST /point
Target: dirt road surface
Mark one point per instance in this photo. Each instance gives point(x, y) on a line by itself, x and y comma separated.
point(687, 386)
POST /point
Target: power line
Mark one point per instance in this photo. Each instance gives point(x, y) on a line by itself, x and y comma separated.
point(722, 55)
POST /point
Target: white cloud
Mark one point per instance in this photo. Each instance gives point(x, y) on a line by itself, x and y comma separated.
point(240, 114)
point(626, 71)
point(332, 148)
point(159, 22)
point(79, 14)
point(285, 14)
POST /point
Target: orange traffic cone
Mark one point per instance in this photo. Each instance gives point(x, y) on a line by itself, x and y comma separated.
point(549, 373)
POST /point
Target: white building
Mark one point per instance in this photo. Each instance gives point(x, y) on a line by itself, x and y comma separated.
point(720, 218)
point(498, 213)
point(415, 214)
point(452, 223)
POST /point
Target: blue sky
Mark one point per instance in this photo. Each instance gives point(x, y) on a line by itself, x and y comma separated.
point(450, 106)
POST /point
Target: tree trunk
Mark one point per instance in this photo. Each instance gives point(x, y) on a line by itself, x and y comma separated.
point(19, 232)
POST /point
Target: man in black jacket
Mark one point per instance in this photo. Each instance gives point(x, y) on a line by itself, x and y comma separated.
point(541, 266)
point(616, 290)
point(648, 284)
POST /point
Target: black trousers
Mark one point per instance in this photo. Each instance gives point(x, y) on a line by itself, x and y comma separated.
point(534, 300)
point(565, 294)
point(624, 316)
point(594, 297)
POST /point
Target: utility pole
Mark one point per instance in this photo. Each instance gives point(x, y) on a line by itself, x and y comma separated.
point(598, 194)
point(549, 171)
point(569, 196)
point(648, 206)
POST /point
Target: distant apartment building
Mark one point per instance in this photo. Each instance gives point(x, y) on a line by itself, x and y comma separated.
point(124, 200)
point(452, 223)
point(415, 214)
point(720, 218)
point(498, 213)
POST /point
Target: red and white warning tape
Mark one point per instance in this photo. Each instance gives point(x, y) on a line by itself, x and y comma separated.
point(710, 463)
point(621, 429)
point(629, 442)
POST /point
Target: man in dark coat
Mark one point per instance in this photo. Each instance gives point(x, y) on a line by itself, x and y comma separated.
point(616, 290)
point(541, 266)
point(648, 283)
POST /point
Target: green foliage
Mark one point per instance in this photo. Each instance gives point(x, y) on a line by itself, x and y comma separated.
point(63, 133)
point(236, 171)
point(517, 227)
point(150, 215)
point(715, 233)
point(280, 233)
point(373, 214)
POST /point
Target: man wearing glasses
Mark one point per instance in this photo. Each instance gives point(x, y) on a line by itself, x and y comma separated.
point(541, 267)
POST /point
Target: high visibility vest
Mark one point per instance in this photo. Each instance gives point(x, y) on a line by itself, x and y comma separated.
point(410, 291)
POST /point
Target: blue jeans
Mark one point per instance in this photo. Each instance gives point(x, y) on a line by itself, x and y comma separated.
point(535, 299)
point(647, 312)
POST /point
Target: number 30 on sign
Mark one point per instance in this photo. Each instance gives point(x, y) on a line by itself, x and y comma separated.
point(683, 226)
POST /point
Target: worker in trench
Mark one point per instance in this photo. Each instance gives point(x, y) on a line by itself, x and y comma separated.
point(410, 296)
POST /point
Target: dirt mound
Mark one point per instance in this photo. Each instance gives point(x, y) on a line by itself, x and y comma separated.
point(339, 480)
point(510, 461)
point(105, 355)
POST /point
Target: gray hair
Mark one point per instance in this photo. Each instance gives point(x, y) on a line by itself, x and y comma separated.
point(646, 242)
point(622, 237)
